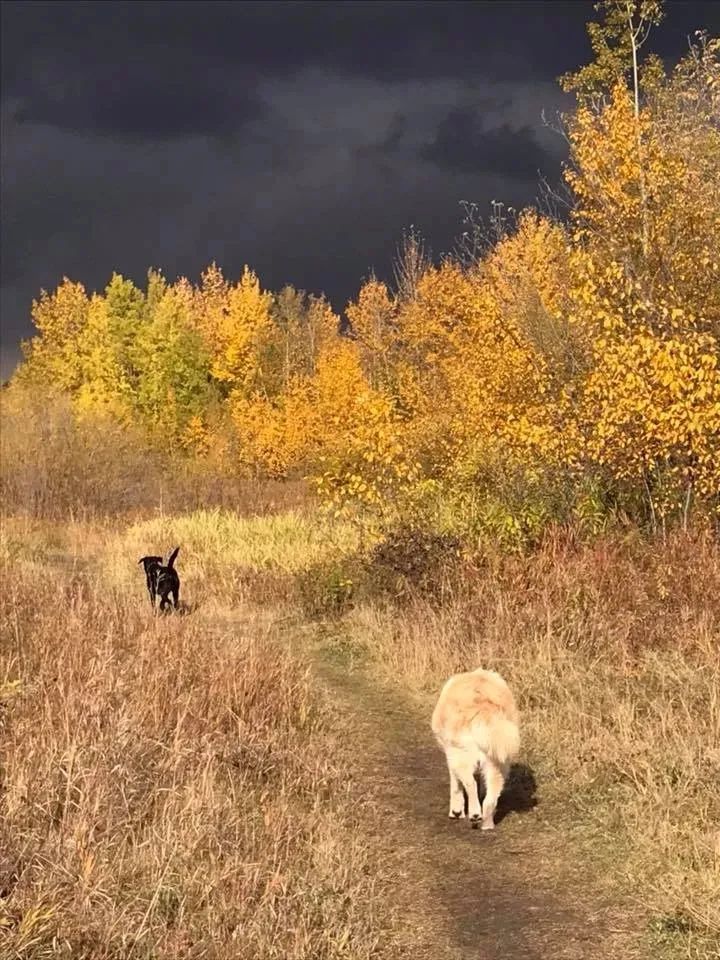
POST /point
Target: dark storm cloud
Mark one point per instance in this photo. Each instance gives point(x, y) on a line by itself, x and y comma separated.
point(401, 40)
point(390, 143)
point(463, 144)
point(298, 137)
point(138, 99)
point(170, 69)
point(164, 69)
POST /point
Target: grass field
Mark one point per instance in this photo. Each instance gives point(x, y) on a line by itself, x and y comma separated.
point(614, 651)
point(172, 787)
point(175, 787)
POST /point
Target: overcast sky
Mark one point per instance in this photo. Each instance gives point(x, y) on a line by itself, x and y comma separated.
point(297, 137)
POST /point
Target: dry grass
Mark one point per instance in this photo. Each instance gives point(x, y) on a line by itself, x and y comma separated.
point(286, 542)
point(248, 558)
point(171, 787)
point(54, 466)
point(614, 653)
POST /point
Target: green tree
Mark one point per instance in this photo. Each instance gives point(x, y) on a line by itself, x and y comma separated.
point(105, 387)
point(173, 364)
point(616, 43)
point(125, 306)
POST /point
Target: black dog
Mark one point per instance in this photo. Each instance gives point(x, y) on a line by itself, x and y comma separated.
point(162, 581)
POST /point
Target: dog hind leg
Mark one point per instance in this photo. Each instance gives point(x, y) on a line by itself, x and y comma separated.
point(494, 777)
point(457, 796)
point(464, 763)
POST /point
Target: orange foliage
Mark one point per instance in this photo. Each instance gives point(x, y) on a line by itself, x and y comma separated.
point(589, 353)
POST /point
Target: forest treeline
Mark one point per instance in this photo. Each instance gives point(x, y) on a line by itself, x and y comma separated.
point(566, 369)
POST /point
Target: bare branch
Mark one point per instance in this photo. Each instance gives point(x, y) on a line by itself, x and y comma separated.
point(411, 261)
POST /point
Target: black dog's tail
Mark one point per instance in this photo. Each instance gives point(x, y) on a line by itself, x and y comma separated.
point(171, 558)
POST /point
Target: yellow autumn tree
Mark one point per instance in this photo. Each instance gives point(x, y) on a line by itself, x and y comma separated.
point(645, 286)
point(60, 319)
point(473, 374)
point(652, 413)
point(211, 305)
point(313, 413)
point(362, 457)
point(372, 319)
point(335, 425)
point(238, 333)
point(301, 327)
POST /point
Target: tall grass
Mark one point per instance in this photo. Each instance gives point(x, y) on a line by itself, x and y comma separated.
point(285, 542)
point(172, 787)
point(54, 465)
point(614, 652)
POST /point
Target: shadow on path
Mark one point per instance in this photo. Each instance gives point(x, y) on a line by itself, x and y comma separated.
point(500, 895)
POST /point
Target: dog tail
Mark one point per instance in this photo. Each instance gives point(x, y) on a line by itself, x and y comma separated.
point(171, 558)
point(498, 736)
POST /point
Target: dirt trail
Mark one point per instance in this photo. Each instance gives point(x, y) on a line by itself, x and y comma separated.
point(504, 895)
point(461, 894)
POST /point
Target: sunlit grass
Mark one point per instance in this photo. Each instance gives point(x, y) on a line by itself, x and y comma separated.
point(287, 542)
point(613, 651)
point(172, 787)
